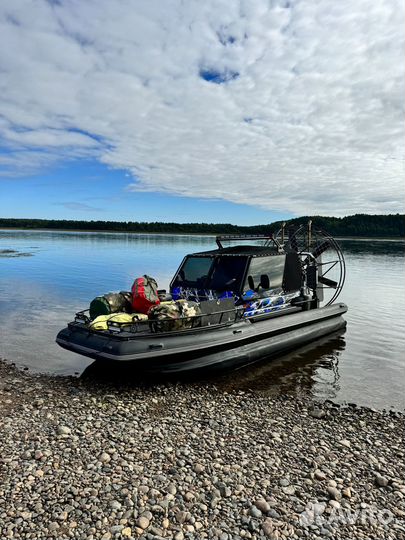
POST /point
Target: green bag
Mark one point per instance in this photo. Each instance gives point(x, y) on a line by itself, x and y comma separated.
point(111, 303)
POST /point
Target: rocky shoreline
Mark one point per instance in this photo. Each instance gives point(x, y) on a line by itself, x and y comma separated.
point(185, 461)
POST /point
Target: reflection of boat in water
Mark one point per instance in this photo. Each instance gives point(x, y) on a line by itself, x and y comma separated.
point(250, 301)
point(312, 369)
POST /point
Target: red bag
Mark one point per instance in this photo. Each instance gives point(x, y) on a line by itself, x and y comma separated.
point(144, 294)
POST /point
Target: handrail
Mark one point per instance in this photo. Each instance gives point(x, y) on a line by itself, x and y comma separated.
point(192, 321)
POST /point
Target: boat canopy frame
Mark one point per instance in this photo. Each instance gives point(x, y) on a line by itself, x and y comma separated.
point(224, 253)
point(269, 239)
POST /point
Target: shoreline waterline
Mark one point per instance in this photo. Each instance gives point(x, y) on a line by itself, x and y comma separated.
point(209, 235)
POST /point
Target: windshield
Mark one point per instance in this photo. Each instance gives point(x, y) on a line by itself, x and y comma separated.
point(212, 273)
point(227, 273)
point(194, 272)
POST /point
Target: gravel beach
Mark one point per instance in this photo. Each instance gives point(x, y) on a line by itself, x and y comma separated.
point(85, 460)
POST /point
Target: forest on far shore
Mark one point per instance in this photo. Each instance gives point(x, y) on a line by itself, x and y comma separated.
point(365, 225)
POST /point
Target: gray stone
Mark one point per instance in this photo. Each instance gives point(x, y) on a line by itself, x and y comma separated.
point(381, 481)
point(255, 512)
point(63, 430)
point(289, 490)
point(319, 475)
point(269, 528)
point(347, 492)
point(143, 522)
point(317, 413)
point(104, 457)
point(224, 490)
point(262, 505)
point(345, 442)
point(334, 493)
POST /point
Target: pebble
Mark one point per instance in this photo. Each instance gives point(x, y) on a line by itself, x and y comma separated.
point(334, 493)
point(317, 413)
point(262, 505)
point(381, 481)
point(225, 491)
point(269, 529)
point(255, 512)
point(345, 442)
point(289, 490)
point(63, 430)
point(188, 461)
point(319, 475)
point(347, 492)
point(104, 457)
point(143, 522)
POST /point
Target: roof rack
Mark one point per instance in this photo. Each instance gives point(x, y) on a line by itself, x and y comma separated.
point(228, 237)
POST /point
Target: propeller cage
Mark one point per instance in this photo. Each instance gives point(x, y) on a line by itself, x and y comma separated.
point(318, 254)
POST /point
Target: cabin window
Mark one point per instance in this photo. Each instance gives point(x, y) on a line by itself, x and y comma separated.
point(194, 272)
point(272, 266)
point(227, 274)
point(220, 273)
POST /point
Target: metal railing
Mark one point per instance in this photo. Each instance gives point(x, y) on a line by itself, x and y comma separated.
point(165, 324)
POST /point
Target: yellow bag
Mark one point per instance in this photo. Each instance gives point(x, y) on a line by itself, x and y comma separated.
point(100, 322)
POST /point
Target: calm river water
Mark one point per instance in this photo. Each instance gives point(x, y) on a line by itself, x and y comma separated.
point(46, 276)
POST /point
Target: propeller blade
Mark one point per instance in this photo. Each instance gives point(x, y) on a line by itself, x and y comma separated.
point(320, 248)
point(328, 282)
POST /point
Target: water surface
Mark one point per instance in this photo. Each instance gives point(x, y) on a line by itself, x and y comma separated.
point(46, 276)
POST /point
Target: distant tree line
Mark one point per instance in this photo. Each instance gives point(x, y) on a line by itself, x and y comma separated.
point(366, 225)
point(392, 225)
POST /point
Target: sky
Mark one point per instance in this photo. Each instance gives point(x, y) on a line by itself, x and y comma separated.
point(241, 111)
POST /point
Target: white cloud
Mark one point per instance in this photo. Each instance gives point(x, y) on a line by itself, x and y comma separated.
point(310, 120)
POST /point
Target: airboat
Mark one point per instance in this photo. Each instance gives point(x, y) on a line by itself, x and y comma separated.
point(258, 296)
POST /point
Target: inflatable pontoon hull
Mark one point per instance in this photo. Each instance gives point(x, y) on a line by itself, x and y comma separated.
point(217, 347)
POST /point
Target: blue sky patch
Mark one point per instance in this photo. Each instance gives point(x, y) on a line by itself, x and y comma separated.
point(218, 77)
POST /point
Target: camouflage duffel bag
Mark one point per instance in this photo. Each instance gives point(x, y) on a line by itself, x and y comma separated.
point(111, 303)
point(169, 316)
point(189, 311)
